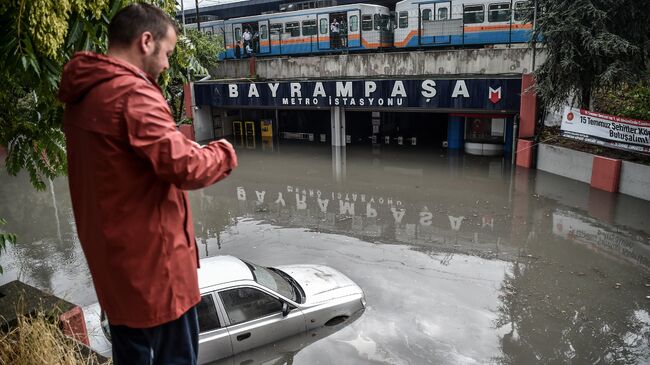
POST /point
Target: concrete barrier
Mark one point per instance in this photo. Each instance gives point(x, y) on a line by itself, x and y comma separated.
point(635, 180)
point(19, 299)
point(605, 173)
point(486, 61)
point(565, 162)
point(600, 172)
point(525, 153)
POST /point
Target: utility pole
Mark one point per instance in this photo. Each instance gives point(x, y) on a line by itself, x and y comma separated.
point(198, 22)
point(183, 16)
point(534, 41)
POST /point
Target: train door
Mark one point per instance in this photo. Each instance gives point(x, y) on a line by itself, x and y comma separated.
point(324, 31)
point(353, 29)
point(436, 26)
point(442, 14)
point(236, 44)
point(264, 38)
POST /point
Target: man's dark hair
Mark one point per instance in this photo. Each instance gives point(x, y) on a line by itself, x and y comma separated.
point(133, 20)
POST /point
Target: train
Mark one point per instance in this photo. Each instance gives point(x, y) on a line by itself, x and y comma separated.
point(414, 24)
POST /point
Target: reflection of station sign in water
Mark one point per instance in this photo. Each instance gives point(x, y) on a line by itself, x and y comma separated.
point(588, 231)
point(360, 205)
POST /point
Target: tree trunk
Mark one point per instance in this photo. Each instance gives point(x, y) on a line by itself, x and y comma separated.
point(585, 101)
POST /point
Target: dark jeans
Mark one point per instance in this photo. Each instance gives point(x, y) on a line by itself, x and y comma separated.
point(171, 343)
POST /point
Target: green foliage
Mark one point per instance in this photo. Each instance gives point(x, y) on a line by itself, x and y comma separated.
point(591, 45)
point(196, 53)
point(38, 37)
point(5, 239)
point(628, 101)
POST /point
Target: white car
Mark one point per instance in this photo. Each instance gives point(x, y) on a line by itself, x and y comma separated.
point(244, 306)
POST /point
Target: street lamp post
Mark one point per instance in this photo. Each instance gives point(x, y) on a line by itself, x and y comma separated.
point(198, 21)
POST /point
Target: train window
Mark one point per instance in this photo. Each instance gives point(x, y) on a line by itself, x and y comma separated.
point(443, 13)
point(473, 14)
point(293, 28)
point(354, 23)
point(309, 27)
point(403, 20)
point(237, 34)
point(520, 11)
point(264, 32)
point(323, 26)
point(366, 22)
point(426, 14)
point(276, 28)
point(382, 22)
point(499, 12)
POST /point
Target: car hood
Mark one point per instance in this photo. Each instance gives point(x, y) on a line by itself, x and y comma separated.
point(321, 283)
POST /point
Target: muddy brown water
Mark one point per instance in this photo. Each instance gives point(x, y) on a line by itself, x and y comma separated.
point(463, 259)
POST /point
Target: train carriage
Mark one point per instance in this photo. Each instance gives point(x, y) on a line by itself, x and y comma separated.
point(456, 23)
point(361, 27)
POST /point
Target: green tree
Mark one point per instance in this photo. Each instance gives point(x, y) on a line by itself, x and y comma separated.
point(5, 238)
point(38, 38)
point(590, 45)
point(627, 101)
point(198, 54)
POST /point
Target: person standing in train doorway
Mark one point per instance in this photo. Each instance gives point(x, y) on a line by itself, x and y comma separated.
point(343, 33)
point(128, 169)
point(247, 36)
point(334, 33)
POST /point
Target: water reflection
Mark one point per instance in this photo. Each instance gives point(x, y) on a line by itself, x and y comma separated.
point(462, 259)
point(286, 351)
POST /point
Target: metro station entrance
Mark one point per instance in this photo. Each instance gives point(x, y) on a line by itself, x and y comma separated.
point(470, 115)
point(424, 129)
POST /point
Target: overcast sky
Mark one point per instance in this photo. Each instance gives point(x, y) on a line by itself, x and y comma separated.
point(191, 4)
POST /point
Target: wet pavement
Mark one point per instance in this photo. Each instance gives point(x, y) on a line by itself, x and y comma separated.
point(462, 259)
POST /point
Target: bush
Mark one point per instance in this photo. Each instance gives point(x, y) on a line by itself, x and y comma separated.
point(629, 102)
point(37, 340)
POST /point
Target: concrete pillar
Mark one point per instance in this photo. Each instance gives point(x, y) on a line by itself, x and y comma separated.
point(507, 148)
point(455, 132)
point(337, 117)
point(528, 107)
point(339, 163)
point(188, 99)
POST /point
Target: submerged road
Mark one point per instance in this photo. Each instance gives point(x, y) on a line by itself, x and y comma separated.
point(462, 259)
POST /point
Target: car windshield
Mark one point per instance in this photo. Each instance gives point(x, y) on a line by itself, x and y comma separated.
point(272, 280)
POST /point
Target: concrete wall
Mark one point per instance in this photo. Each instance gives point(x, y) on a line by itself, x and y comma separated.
point(565, 162)
point(635, 180)
point(203, 124)
point(466, 62)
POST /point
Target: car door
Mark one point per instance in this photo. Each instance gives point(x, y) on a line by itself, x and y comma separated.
point(255, 318)
point(214, 338)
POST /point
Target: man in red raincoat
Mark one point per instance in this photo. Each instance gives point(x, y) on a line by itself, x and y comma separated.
point(128, 168)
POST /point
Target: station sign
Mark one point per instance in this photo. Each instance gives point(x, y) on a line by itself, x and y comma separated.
point(453, 94)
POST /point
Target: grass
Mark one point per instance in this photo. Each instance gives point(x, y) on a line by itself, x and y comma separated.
point(37, 339)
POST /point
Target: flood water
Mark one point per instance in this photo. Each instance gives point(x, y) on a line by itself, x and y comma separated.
point(463, 260)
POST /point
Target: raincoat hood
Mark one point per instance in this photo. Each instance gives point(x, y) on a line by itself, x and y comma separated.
point(86, 70)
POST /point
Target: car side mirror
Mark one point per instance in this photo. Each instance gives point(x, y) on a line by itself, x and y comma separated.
point(285, 309)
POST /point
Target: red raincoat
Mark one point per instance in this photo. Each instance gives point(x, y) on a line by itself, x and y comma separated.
point(128, 166)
